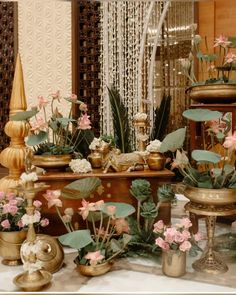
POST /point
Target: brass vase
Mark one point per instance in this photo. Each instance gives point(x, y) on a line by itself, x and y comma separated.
point(10, 243)
point(95, 158)
point(156, 161)
point(174, 263)
point(94, 270)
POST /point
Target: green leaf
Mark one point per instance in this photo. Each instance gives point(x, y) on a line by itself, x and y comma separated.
point(81, 188)
point(122, 209)
point(233, 41)
point(65, 121)
point(201, 115)
point(115, 245)
point(202, 156)
point(23, 116)
point(77, 239)
point(36, 139)
point(173, 141)
point(126, 239)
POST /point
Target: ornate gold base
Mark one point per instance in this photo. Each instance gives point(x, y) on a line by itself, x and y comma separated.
point(11, 262)
point(34, 281)
point(210, 263)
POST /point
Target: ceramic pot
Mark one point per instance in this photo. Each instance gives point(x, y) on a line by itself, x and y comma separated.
point(213, 93)
point(94, 270)
point(156, 161)
point(95, 158)
point(174, 263)
point(52, 162)
point(10, 243)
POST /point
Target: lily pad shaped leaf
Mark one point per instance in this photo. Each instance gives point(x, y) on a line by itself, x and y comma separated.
point(23, 116)
point(173, 141)
point(122, 209)
point(202, 115)
point(77, 239)
point(36, 139)
point(202, 156)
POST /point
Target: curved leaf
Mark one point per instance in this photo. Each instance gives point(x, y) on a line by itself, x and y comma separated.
point(122, 209)
point(81, 188)
point(36, 139)
point(201, 115)
point(23, 116)
point(173, 141)
point(77, 239)
point(203, 156)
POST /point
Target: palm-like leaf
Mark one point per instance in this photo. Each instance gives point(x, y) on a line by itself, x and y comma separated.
point(120, 121)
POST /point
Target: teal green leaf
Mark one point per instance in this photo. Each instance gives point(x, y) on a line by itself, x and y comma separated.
point(81, 188)
point(23, 116)
point(115, 245)
point(173, 141)
point(202, 156)
point(122, 209)
point(36, 139)
point(120, 121)
point(65, 121)
point(232, 40)
point(201, 115)
point(77, 239)
point(126, 239)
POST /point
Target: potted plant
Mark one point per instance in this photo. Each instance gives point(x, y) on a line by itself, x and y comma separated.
point(55, 138)
point(155, 160)
point(106, 234)
point(216, 66)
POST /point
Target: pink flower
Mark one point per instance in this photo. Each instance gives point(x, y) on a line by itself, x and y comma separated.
point(230, 141)
point(37, 204)
point(86, 207)
point(100, 232)
point(20, 224)
point(42, 102)
point(222, 41)
point(52, 196)
point(179, 238)
point(83, 107)
point(10, 196)
point(230, 58)
point(44, 222)
point(111, 210)
point(162, 244)
point(215, 126)
point(56, 95)
point(185, 222)
point(170, 234)
point(8, 208)
point(13, 202)
point(121, 226)
point(84, 122)
point(73, 97)
point(38, 125)
point(5, 224)
point(2, 195)
point(198, 237)
point(158, 226)
point(185, 246)
point(94, 257)
point(186, 235)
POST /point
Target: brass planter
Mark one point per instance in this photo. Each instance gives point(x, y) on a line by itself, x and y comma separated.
point(213, 93)
point(95, 158)
point(94, 270)
point(215, 197)
point(174, 263)
point(156, 161)
point(52, 162)
point(10, 243)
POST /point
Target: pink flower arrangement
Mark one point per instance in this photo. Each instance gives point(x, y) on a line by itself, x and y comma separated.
point(13, 214)
point(177, 237)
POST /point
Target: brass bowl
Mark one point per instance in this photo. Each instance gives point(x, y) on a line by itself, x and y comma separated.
point(213, 93)
point(53, 162)
point(216, 197)
point(94, 270)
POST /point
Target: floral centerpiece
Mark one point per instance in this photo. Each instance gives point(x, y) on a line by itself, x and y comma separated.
point(53, 134)
point(155, 160)
point(106, 235)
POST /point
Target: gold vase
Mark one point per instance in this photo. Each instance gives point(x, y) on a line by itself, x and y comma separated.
point(174, 263)
point(94, 270)
point(10, 243)
point(95, 158)
point(52, 162)
point(156, 161)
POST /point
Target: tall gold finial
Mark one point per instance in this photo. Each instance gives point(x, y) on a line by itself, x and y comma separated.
point(13, 157)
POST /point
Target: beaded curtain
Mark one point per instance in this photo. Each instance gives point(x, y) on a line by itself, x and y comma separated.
point(141, 44)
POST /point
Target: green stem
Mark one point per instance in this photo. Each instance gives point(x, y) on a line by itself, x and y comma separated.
point(106, 232)
point(59, 214)
point(138, 216)
point(100, 227)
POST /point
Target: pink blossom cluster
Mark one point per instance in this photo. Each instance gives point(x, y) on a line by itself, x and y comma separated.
point(177, 237)
point(13, 210)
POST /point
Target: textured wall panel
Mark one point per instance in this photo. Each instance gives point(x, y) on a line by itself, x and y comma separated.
point(45, 47)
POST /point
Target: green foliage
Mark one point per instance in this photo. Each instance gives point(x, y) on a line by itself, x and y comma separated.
point(37, 139)
point(173, 141)
point(140, 189)
point(77, 239)
point(202, 156)
point(109, 139)
point(24, 116)
point(149, 210)
point(48, 148)
point(122, 209)
point(201, 115)
point(165, 193)
point(120, 121)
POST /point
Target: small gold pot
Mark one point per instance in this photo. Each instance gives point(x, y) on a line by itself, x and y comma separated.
point(52, 162)
point(10, 243)
point(94, 270)
point(174, 263)
point(156, 161)
point(95, 158)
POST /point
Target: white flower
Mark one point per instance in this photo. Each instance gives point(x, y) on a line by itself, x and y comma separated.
point(140, 116)
point(154, 146)
point(29, 247)
point(80, 166)
point(69, 211)
point(32, 266)
point(27, 177)
point(96, 143)
point(30, 219)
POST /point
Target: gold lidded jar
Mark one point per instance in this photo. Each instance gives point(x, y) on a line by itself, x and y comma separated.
point(95, 158)
point(156, 161)
point(173, 263)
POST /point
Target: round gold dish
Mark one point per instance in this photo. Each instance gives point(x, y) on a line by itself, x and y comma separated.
point(94, 270)
point(52, 162)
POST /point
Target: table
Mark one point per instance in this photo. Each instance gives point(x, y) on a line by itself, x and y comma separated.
point(116, 189)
